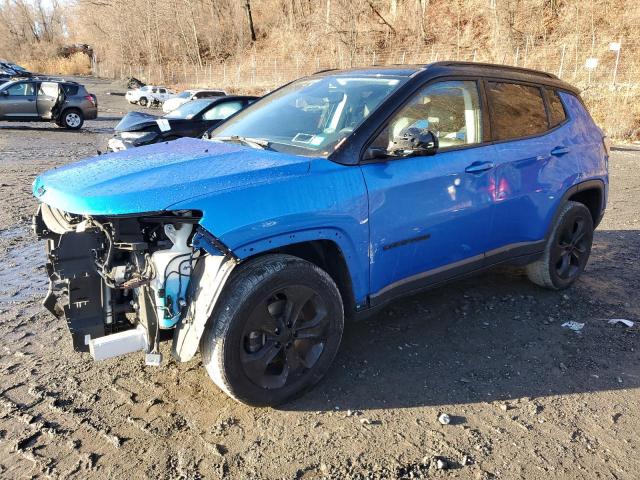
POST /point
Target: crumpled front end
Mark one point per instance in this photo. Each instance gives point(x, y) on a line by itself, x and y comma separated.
point(119, 281)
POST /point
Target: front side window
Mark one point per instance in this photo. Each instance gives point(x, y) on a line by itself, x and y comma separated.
point(21, 90)
point(312, 115)
point(450, 110)
point(223, 110)
point(556, 109)
point(516, 110)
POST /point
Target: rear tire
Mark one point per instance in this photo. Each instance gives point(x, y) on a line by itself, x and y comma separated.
point(567, 250)
point(72, 119)
point(275, 330)
point(143, 102)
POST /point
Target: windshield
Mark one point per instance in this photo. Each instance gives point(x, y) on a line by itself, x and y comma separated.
point(190, 109)
point(311, 116)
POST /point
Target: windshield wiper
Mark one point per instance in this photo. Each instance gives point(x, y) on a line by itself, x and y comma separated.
point(260, 143)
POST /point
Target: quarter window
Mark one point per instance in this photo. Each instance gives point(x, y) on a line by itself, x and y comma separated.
point(450, 110)
point(556, 109)
point(516, 110)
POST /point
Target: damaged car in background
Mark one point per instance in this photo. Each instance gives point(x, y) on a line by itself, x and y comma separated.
point(191, 119)
point(324, 200)
point(148, 95)
point(64, 102)
point(181, 98)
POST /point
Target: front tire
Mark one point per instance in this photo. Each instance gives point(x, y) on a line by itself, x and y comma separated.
point(275, 330)
point(567, 250)
point(143, 102)
point(72, 119)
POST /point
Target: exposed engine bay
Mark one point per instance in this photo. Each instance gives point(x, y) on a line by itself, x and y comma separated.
point(120, 281)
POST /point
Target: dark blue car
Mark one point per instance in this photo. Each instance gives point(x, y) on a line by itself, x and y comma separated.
point(325, 199)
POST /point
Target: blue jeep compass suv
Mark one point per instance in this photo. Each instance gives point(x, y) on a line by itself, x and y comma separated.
point(323, 200)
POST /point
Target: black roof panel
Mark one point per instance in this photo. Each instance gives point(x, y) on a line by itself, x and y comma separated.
point(458, 68)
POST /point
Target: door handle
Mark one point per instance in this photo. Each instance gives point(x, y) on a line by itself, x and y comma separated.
point(31, 99)
point(559, 151)
point(478, 167)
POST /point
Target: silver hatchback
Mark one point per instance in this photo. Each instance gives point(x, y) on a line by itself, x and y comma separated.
point(66, 103)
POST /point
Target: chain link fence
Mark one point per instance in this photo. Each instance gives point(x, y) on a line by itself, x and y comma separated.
point(263, 71)
point(609, 78)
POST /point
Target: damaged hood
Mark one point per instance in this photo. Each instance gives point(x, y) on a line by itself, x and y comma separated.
point(154, 177)
point(133, 121)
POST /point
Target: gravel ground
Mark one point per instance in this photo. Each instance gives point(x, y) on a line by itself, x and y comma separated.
point(526, 397)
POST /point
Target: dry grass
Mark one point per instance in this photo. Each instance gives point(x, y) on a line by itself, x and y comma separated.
point(616, 110)
point(76, 64)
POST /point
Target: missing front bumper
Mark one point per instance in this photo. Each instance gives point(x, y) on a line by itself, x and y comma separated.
point(77, 293)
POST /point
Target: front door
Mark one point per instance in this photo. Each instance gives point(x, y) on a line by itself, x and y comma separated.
point(18, 101)
point(430, 216)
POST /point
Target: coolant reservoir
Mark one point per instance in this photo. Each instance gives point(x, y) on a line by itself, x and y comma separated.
point(173, 269)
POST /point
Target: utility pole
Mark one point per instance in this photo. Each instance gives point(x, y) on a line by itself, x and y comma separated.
point(247, 5)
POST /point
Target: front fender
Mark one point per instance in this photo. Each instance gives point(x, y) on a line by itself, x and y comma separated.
point(207, 283)
point(329, 203)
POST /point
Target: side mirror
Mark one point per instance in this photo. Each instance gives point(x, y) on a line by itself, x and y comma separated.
point(414, 142)
point(376, 153)
point(5, 93)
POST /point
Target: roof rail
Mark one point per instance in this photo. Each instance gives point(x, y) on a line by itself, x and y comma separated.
point(496, 66)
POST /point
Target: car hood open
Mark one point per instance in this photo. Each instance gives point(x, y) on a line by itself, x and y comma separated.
point(133, 121)
point(154, 177)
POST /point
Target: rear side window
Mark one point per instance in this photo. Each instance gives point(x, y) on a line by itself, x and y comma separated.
point(556, 109)
point(517, 110)
point(223, 110)
point(70, 90)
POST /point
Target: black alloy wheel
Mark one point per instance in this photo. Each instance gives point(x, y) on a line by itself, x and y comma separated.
point(275, 330)
point(284, 336)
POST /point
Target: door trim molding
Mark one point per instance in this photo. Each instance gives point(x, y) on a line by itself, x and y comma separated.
point(445, 273)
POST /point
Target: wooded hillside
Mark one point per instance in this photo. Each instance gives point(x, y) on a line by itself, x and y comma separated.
point(259, 44)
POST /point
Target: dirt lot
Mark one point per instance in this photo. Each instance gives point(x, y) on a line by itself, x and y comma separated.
point(528, 398)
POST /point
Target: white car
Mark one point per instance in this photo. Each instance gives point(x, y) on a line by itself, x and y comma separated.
point(176, 100)
point(148, 94)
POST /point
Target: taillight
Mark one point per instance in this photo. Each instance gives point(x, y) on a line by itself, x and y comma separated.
point(91, 99)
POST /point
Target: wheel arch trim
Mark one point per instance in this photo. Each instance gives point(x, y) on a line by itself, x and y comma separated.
point(342, 242)
point(591, 184)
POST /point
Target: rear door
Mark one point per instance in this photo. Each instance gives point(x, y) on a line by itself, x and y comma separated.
point(19, 101)
point(534, 166)
point(49, 95)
